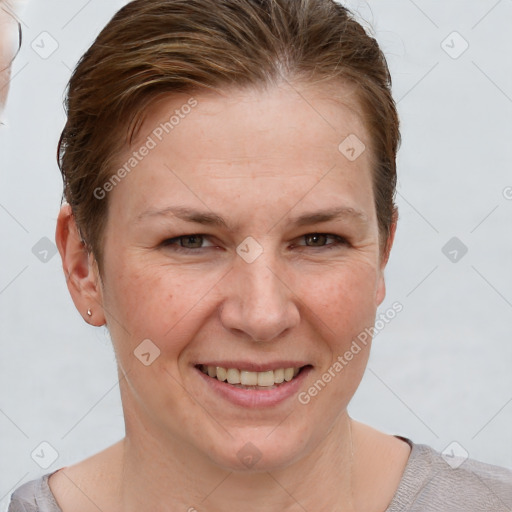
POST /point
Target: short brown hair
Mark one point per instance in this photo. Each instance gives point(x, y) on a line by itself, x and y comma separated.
point(155, 47)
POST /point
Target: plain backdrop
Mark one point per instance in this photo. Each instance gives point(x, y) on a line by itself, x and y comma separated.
point(439, 373)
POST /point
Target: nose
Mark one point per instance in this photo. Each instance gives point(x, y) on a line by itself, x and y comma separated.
point(258, 302)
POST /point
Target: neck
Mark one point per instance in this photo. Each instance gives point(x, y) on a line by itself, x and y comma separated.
point(162, 473)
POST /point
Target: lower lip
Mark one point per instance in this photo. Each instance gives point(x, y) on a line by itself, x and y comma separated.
point(256, 398)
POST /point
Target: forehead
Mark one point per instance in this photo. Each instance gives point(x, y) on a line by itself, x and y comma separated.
point(250, 141)
point(269, 115)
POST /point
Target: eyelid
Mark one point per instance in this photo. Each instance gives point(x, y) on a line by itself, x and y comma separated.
point(339, 241)
point(175, 240)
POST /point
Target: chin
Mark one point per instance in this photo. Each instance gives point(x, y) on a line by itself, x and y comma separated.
point(259, 450)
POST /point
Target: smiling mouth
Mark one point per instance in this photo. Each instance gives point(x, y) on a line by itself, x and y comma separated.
point(252, 380)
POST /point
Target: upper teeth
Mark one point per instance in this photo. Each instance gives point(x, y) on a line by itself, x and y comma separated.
point(246, 378)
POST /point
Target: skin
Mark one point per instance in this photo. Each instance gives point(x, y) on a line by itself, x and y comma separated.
point(8, 46)
point(256, 158)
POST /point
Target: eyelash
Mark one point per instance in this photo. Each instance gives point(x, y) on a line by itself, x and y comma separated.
point(172, 242)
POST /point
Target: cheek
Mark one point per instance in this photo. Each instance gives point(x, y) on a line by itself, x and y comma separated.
point(344, 300)
point(344, 308)
point(155, 302)
point(170, 304)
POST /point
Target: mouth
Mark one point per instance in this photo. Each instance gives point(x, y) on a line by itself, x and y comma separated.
point(253, 380)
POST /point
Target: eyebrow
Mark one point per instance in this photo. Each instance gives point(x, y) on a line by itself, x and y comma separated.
point(212, 219)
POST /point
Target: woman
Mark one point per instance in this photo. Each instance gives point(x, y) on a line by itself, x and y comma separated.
point(229, 174)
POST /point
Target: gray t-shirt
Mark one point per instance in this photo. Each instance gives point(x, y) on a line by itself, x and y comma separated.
point(429, 484)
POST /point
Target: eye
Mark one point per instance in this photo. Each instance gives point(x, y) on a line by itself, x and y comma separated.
point(320, 239)
point(193, 243)
point(185, 243)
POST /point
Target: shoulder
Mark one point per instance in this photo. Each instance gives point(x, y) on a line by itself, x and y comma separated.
point(34, 496)
point(67, 488)
point(433, 481)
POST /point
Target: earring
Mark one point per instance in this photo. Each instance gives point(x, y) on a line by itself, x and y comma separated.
point(89, 313)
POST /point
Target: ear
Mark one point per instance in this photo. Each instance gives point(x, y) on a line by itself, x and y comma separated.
point(381, 284)
point(80, 267)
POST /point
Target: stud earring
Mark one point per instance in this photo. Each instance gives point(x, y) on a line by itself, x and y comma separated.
point(89, 313)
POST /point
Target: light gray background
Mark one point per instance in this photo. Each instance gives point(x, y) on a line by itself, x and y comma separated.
point(439, 372)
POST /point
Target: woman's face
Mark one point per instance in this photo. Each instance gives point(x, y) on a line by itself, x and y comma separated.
point(242, 282)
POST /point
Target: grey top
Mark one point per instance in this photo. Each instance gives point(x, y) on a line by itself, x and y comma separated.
point(429, 484)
